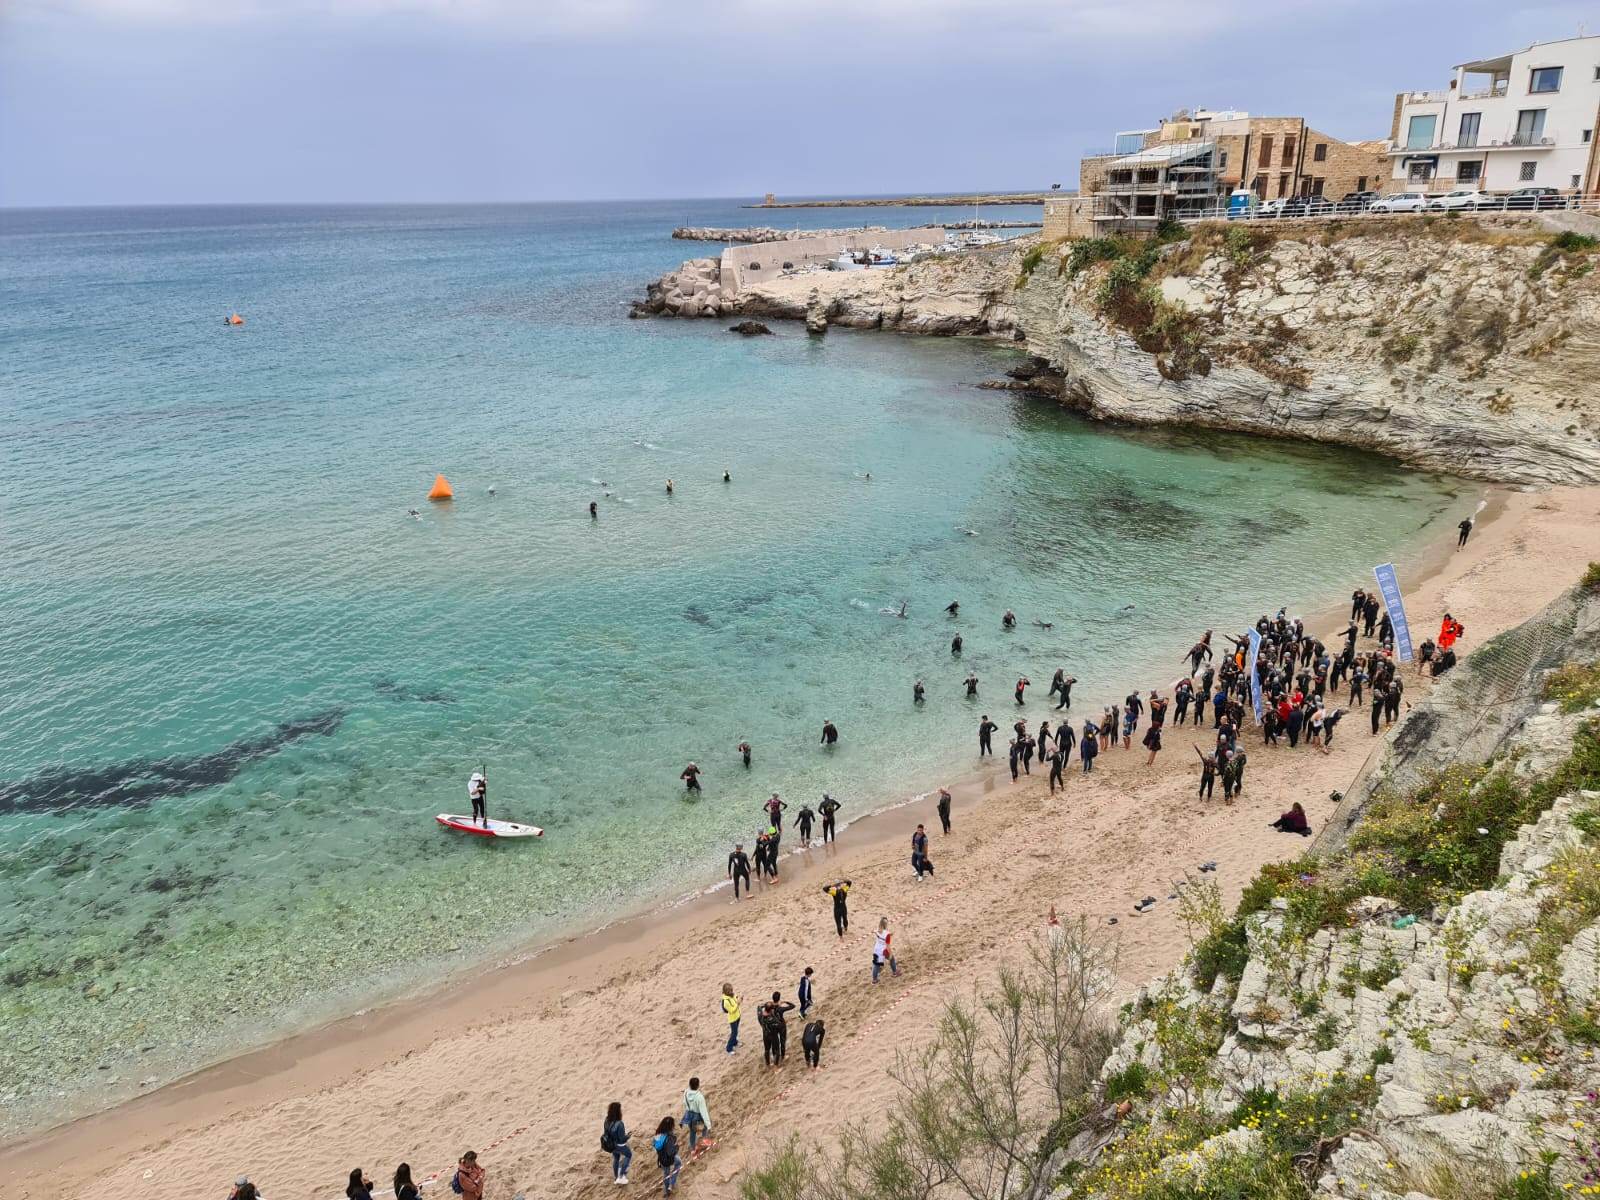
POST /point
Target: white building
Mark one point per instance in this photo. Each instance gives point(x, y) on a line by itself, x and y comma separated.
point(1523, 119)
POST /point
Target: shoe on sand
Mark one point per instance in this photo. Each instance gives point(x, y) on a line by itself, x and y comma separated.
point(1145, 905)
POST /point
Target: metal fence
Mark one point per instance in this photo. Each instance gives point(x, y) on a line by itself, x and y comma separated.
point(1430, 204)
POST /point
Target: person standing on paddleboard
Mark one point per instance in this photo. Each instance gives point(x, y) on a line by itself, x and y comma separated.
point(478, 793)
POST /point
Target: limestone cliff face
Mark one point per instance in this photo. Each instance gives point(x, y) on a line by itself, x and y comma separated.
point(1458, 355)
point(1454, 345)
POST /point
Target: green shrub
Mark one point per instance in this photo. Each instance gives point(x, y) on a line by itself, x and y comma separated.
point(1591, 578)
point(1085, 252)
point(1130, 1083)
point(1030, 260)
point(1575, 686)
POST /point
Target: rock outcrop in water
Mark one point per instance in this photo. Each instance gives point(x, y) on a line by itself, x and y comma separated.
point(1456, 345)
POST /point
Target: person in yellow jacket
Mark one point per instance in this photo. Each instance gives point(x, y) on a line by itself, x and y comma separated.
point(730, 1007)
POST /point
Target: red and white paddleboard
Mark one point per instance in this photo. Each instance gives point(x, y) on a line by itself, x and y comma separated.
point(498, 829)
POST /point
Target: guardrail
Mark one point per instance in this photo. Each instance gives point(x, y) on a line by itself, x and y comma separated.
point(1328, 209)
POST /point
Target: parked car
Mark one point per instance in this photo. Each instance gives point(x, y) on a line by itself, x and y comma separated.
point(1357, 201)
point(1462, 200)
point(1536, 199)
point(1400, 202)
point(1273, 208)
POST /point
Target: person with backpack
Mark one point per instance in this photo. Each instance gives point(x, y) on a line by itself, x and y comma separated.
point(468, 1179)
point(614, 1141)
point(666, 1147)
point(696, 1117)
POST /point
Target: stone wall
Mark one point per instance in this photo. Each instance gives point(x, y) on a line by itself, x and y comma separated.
point(1069, 217)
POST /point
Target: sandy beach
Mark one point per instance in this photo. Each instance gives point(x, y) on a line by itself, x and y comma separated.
point(519, 1062)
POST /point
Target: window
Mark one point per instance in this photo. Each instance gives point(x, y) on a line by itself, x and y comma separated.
point(1597, 74)
point(1420, 171)
point(1544, 79)
point(1222, 160)
point(1419, 131)
point(1526, 173)
point(1469, 172)
point(1530, 127)
point(1316, 187)
point(1361, 184)
point(1264, 155)
point(1288, 152)
point(1469, 129)
point(1283, 185)
point(1259, 187)
point(1574, 183)
point(1587, 134)
point(1320, 154)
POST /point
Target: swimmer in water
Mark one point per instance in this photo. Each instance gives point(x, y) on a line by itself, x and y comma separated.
point(953, 607)
point(669, 487)
point(594, 511)
point(869, 475)
point(917, 692)
point(1043, 624)
point(1009, 621)
point(830, 735)
point(902, 613)
point(972, 686)
point(726, 478)
point(744, 752)
point(411, 512)
point(491, 491)
point(955, 645)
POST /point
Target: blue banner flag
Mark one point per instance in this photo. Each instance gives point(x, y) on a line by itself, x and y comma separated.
point(1255, 675)
point(1389, 589)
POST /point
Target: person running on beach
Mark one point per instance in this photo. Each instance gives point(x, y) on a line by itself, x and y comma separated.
point(696, 1117)
point(478, 793)
point(943, 808)
point(883, 950)
point(614, 1139)
point(839, 890)
point(1066, 692)
point(986, 730)
point(1466, 529)
point(802, 822)
point(691, 778)
point(955, 645)
point(739, 868)
point(730, 1009)
point(1014, 757)
point(1058, 761)
point(744, 752)
point(811, 1042)
point(666, 1147)
point(830, 735)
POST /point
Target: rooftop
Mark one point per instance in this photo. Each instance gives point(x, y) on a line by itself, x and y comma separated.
point(1166, 154)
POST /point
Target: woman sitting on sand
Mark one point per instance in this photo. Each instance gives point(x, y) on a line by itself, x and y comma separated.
point(1294, 821)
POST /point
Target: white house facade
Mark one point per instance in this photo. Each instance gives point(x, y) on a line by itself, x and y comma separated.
point(1525, 119)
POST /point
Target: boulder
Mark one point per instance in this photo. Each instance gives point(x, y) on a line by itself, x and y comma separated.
point(749, 328)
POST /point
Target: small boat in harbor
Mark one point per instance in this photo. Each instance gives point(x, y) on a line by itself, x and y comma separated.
point(860, 260)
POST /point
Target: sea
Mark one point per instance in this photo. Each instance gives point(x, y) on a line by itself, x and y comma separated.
point(239, 676)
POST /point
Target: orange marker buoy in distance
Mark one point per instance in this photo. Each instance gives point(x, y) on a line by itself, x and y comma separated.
point(234, 319)
point(441, 489)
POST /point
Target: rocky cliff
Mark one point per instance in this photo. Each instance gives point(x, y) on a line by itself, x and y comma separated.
point(1457, 345)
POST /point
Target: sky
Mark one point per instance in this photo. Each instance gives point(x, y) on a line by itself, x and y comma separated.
point(350, 101)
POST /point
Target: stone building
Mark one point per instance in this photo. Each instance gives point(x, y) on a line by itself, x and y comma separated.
point(1271, 156)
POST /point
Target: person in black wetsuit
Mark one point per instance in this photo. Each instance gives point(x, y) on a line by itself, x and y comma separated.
point(478, 792)
point(972, 686)
point(594, 511)
point(691, 778)
point(1009, 621)
point(1198, 652)
point(811, 1042)
point(739, 868)
point(953, 607)
point(917, 692)
point(1208, 774)
point(1066, 692)
point(955, 644)
point(830, 735)
point(943, 808)
point(986, 730)
point(802, 822)
point(840, 891)
point(1466, 529)
point(1058, 760)
point(828, 808)
point(744, 752)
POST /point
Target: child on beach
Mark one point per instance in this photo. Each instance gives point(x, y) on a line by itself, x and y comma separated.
point(883, 950)
point(666, 1147)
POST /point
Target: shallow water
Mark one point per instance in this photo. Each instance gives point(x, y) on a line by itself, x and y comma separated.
point(237, 680)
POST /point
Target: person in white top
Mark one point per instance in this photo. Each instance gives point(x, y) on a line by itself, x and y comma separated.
point(478, 793)
point(883, 950)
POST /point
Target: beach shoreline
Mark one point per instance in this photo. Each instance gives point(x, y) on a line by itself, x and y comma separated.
point(562, 975)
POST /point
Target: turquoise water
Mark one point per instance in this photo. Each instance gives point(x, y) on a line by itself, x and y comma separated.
point(237, 680)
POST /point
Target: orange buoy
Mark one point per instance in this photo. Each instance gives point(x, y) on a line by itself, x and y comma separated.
point(234, 319)
point(441, 489)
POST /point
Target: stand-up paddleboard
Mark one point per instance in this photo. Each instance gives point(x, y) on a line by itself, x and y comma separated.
point(504, 829)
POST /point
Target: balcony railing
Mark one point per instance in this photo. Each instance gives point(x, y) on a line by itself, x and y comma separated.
point(1543, 140)
point(1488, 93)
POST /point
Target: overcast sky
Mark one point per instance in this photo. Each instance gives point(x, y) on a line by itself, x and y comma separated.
point(199, 101)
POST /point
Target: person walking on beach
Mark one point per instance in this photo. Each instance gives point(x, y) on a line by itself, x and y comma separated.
point(839, 890)
point(811, 1042)
point(696, 1118)
point(1152, 743)
point(920, 863)
point(830, 735)
point(828, 808)
point(739, 868)
point(1208, 774)
point(802, 822)
point(1132, 707)
point(613, 1140)
point(803, 992)
point(883, 950)
point(943, 808)
point(691, 778)
point(986, 730)
point(243, 1189)
point(469, 1177)
point(1058, 762)
point(730, 1009)
point(774, 1030)
point(666, 1147)
point(1466, 529)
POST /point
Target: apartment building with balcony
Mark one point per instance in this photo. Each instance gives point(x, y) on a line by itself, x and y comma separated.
point(1525, 119)
point(1271, 156)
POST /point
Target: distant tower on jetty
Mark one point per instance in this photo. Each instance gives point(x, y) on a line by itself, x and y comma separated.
point(772, 198)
